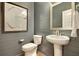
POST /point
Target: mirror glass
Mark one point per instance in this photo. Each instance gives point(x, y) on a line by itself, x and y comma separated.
point(61, 15)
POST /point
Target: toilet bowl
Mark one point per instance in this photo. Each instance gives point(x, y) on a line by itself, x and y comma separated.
point(30, 49)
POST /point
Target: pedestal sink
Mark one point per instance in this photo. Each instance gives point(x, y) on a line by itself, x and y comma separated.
point(58, 41)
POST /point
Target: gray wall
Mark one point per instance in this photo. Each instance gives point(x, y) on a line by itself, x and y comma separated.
point(72, 49)
point(9, 41)
point(41, 17)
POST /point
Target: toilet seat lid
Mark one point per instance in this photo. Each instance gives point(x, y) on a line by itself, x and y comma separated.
point(29, 45)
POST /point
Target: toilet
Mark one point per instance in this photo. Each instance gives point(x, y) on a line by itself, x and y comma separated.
point(30, 49)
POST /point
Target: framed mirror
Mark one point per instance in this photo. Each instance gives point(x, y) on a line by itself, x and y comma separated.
point(14, 17)
point(61, 14)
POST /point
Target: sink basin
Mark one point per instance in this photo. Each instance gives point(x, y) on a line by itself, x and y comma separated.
point(61, 40)
point(58, 41)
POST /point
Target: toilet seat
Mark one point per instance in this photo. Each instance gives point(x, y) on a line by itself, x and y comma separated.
point(29, 47)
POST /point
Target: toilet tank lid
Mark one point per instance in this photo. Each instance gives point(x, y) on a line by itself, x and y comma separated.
point(37, 35)
point(29, 45)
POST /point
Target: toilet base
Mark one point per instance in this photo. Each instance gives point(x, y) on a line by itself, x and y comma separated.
point(34, 54)
point(31, 53)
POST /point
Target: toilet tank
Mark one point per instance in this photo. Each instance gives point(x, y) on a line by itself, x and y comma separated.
point(37, 39)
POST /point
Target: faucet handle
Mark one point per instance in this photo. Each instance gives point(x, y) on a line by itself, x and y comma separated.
point(60, 34)
point(57, 32)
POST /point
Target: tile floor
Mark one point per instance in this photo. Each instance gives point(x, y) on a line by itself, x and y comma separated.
point(40, 53)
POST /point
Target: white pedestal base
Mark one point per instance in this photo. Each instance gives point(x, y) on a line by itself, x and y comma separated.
point(57, 50)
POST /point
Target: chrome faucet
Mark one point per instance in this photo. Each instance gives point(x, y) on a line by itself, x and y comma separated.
point(58, 32)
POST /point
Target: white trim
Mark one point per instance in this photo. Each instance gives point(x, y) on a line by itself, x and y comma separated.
point(62, 28)
point(57, 3)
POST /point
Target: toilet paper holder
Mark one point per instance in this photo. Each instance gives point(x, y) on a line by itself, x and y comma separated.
point(21, 40)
